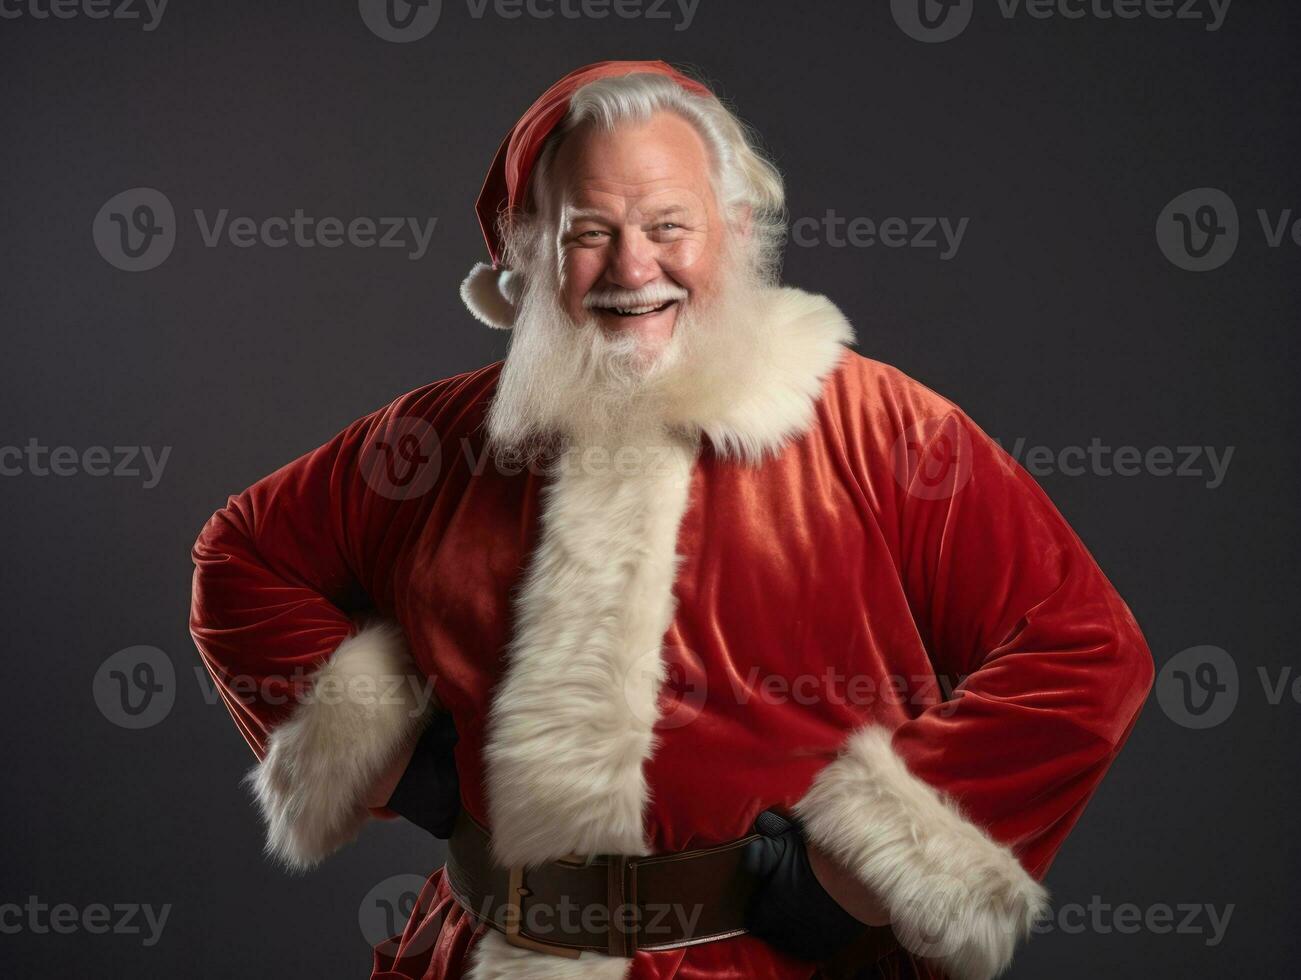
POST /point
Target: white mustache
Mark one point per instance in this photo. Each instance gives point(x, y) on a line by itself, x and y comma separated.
point(626, 299)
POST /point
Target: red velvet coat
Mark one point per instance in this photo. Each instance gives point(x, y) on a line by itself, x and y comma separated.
point(864, 610)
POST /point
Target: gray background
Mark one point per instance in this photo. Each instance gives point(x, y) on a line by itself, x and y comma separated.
point(1059, 321)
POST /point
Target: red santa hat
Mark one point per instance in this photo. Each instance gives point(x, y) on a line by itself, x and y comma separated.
point(490, 291)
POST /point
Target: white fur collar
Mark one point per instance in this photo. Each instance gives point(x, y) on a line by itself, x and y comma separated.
point(751, 408)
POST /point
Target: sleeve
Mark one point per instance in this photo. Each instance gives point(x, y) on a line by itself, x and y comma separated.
point(953, 816)
point(291, 613)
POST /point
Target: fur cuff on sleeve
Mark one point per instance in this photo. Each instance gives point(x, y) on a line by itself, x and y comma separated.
point(956, 896)
point(367, 702)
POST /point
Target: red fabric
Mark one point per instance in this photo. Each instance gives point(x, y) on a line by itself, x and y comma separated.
point(506, 186)
point(846, 554)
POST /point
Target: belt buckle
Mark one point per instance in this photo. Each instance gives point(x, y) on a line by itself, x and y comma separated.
point(513, 912)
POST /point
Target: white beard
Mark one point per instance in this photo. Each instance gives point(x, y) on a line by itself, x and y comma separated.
point(575, 384)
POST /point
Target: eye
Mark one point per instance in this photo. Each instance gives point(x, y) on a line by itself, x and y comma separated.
point(591, 235)
point(668, 226)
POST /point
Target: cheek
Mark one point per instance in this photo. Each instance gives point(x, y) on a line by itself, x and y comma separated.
point(582, 269)
point(698, 273)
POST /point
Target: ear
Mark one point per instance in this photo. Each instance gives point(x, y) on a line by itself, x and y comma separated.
point(743, 220)
point(491, 295)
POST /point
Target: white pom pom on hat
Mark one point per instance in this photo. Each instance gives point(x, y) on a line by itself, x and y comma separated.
point(491, 294)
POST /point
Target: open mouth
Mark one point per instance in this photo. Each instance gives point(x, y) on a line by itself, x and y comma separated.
point(631, 311)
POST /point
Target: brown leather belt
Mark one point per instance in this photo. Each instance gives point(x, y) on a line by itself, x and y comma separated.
point(612, 904)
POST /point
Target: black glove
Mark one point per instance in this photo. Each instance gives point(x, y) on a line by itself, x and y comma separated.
point(791, 910)
point(429, 793)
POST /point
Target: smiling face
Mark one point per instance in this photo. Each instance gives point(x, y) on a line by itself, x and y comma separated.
point(640, 234)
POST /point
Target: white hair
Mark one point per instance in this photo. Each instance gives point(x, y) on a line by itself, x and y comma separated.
point(748, 187)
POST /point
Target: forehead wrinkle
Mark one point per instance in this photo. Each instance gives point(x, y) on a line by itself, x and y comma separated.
point(591, 186)
point(587, 156)
point(595, 200)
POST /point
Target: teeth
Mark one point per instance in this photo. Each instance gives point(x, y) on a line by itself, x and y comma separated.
point(636, 310)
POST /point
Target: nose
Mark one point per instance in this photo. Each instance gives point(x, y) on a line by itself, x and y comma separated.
point(633, 263)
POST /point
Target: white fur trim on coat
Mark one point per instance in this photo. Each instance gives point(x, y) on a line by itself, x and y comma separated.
point(366, 704)
point(571, 721)
point(765, 396)
point(491, 294)
point(955, 895)
point(492, 958)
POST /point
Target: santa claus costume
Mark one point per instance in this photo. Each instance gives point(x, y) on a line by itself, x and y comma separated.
point(820, 589)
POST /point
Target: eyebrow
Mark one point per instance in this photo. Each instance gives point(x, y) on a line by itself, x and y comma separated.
point(666, 212)
point(573, 215)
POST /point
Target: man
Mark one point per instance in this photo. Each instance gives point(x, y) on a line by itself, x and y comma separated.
point(753, 657)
